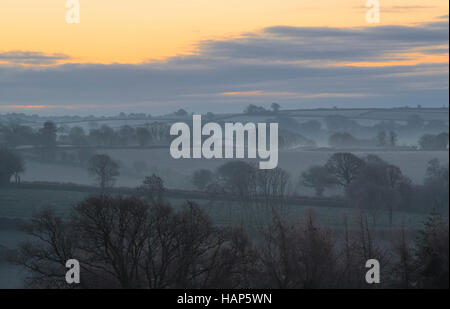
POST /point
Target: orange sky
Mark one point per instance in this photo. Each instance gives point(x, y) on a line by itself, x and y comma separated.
point(140, 30)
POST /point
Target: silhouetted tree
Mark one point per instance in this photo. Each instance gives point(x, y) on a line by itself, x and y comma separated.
point(126, 135)
point(144, 136)
point(253, 109)
point(122, 242)
point(342, 139)
point(275, 107)
point(238, 177)
point(378, 186)
point(434, 142)
point(77, 136)
point(153, 188)
point(104, 169)
point(318, 178)
point(432, 253)
point(181, 112)
point(296, 256)
point(48, 135)
point(10, 164)
point(405, 266)
point(437, 184)
point(344, 167)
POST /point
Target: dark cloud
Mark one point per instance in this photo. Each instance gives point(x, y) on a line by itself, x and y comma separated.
point(298, 67)
point(31, 58)
point(329, 44)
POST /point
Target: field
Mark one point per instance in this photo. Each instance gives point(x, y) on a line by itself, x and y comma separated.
point(176, 172)
point(22, 203)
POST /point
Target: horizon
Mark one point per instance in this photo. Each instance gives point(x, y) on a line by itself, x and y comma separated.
point(43, 113)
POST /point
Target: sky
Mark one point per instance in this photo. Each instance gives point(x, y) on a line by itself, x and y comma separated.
point(157, 56)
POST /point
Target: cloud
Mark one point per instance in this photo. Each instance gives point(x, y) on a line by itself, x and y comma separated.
point(295, 66)
point(31, 58)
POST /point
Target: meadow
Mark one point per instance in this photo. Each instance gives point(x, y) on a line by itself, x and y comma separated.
point(176, 173)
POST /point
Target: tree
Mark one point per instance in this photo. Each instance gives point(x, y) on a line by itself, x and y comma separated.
point(16, 134)
point(10, 164)
point(344, 167)
point(48, 134)
point(432, 253)
point(77, 136)
point(104, 136)
point(342, 139)
point(181, 112)
point(126, 135)
point(253, 109)
point(123, 242)
point(202, 178)
point(144, 136)
point(238, 177)
point(434, 142)
point(393, 138)
point(275, 107)
point(317, 177)
point(153, 188)
point(104, 169)
point(296, 256)
point(437, 183)
point(405, 267)
point(269, 191)
point(379, 186)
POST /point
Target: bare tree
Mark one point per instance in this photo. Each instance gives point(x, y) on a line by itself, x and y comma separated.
point(270, 192)
point(104, 169)
point(153, 188)
point(378, 186)
point(122, 242)
point(238, 178)
point(405, 266)
point(437, 183)
point(45, 257)
point(296, 256)
point(319, 178)
point(432, 253)
point(344, 167)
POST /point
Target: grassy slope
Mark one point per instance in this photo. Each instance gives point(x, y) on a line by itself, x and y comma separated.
point(21, 203)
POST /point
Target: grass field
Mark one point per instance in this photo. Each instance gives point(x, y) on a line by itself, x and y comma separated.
point(22, 203)
point(18, 203)
point(176, 173)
